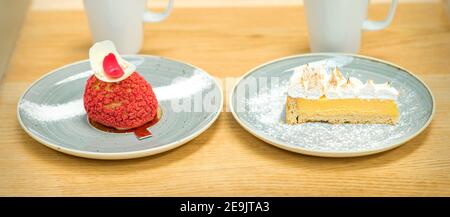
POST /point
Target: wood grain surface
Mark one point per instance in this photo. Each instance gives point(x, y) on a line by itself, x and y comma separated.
point(226, 160)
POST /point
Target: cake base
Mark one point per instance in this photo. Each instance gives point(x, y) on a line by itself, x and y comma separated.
point(341, 111)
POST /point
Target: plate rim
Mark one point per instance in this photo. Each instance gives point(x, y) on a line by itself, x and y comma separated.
point(120, 155)
point(336, 154)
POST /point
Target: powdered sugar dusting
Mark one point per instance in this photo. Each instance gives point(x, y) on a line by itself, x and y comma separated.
point(267, 113)
point(46, 113)
point(183, 86)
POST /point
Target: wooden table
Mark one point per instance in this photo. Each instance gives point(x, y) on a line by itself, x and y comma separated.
point(226, 160)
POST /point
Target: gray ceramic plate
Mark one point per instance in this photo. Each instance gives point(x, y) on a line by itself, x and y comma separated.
point(261, 111)
point(51, 110)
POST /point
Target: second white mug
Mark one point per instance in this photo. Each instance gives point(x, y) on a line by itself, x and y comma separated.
point(335, 26)
point(121, 21)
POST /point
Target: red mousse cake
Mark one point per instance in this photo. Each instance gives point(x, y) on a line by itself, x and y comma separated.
point(116, 95)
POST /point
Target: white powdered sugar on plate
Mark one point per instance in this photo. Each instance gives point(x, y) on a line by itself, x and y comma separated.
point(267, 114)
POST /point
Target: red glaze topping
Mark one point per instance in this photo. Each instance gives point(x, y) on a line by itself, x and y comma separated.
point(111, 67)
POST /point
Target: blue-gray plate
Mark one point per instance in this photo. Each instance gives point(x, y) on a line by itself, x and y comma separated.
point(260, 108)
point(52, 112)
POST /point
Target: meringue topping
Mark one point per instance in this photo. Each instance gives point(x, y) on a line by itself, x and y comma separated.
point(97, 54)
point(314, 83)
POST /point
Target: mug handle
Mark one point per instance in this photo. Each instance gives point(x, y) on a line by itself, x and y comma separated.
point(378, 25)
point(153, 17)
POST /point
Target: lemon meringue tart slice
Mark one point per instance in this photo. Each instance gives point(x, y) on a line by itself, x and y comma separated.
point(318, 95)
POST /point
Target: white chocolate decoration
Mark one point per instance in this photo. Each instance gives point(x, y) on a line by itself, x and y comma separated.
point(96, 55)
point(314, 83)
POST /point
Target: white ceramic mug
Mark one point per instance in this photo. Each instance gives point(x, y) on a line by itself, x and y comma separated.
point(121, 21)
point(335, 26)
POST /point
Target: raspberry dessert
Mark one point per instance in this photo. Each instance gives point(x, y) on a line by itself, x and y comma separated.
point(116, 95)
